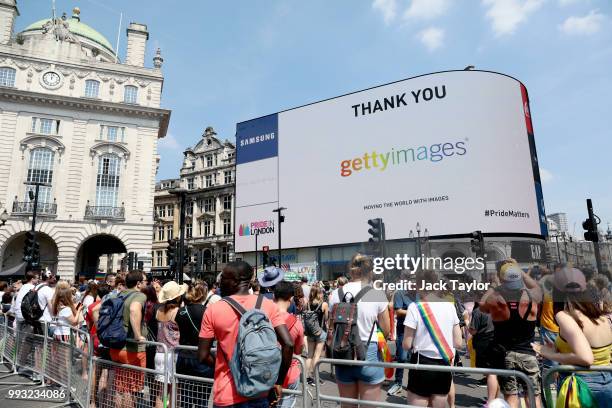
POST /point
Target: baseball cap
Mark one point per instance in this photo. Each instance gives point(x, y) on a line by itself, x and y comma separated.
point(570, 280)
point(511, 276)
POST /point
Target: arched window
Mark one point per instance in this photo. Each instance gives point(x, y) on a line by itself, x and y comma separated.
point(92, 88)
point(107, 182)
point(40, 170)
point(7, 76)
point(130, 94)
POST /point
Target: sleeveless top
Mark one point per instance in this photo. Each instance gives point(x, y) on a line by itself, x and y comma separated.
point(168, 333)
point(517, 333)
point(318, 307)
point(601, 355)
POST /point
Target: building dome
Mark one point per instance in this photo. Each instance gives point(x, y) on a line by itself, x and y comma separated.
point(80, 30)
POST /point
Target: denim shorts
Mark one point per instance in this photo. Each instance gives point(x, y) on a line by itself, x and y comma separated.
point(600, 384)
point(365, 374)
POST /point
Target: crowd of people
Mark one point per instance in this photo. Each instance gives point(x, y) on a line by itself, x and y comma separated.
point(527, 321)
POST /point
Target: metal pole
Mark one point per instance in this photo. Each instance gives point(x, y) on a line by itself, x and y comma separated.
point(558, 250)
point(181, 245)
point(35, 208)
point(280, 249)
point(256, 235)
point(419, 243)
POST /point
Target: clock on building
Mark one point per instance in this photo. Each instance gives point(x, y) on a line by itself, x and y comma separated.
point(51, 80)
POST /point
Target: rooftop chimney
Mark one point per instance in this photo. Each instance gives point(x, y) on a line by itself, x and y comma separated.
point(137, 35)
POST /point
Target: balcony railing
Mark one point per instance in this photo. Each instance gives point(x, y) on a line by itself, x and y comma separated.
point(27, 207)
point(96, 212)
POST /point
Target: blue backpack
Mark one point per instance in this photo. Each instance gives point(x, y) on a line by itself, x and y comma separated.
point(257, 356)
point(110, 322)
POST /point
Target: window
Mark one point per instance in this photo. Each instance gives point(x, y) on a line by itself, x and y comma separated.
point(228, 177)
point(160, 258)
point(170, 210)
point(207, 228)
point(190, 183)
point(188, 230)
point(45, 126)
point(161, 210)
point(209, 161)
point(209, 180)
point(40, 170)
point(160, 233)
point(227, 202)
point(189, 208)
point(227, 226)
point(112, 133)
point(224, 254)
point(170, 232)
point(107, 182)
point(7, 76)
point(209, 204)
point(92, 88)
point(130, 94)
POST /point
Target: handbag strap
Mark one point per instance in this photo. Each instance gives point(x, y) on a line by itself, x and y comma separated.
point(189, 317)
point(433, 328)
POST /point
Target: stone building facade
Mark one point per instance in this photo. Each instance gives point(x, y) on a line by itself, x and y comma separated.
point(76, 118)
point(208, 176)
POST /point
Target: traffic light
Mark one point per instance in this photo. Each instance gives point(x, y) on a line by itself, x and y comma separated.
point(186, 256)
point(35, 255)
point(265, 254)
point(171, 254)
point(28, 248)
point(377, 230)
point(590, 228)
point(131, 261)
point(377, 235)
point(477, 243)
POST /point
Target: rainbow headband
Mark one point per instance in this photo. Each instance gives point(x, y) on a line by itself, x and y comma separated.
point(435, 332)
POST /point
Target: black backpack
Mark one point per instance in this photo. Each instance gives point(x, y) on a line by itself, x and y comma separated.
point(30, 308)
point(343, 341)
point(312, 328)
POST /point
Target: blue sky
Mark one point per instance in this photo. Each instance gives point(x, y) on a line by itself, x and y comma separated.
point(228, 61)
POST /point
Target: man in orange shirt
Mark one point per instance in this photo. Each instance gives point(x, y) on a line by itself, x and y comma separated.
point(220, 322)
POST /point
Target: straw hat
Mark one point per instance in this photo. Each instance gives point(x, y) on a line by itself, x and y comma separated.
point(170, 291)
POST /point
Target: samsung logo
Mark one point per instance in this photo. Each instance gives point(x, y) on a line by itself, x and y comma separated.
point(257, 139)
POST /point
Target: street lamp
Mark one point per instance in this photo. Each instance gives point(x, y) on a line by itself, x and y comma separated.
point(281, 219)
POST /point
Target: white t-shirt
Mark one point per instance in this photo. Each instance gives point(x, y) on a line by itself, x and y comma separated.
point(87, 301)
point(214, 298)
point(22, 292)
point(371, 305)
point(62, 317)
point(45, 301)
point(445, 315)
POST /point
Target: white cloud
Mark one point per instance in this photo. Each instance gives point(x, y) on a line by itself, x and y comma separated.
point(587, 25)
point(388, 8)
point(169, 143)
point(506, 15)
point(545, 175)
point(426, 9)
point(432, 38)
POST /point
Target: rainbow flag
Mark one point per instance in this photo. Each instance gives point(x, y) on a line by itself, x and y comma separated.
point(384, 352)
point(435, 332)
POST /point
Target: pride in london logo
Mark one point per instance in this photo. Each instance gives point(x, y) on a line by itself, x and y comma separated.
point(256, 227)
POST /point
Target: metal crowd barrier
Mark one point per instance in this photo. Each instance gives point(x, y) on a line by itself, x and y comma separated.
point(320, 397)
point(548, 377)
point(70, 364)
point(196, 392)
